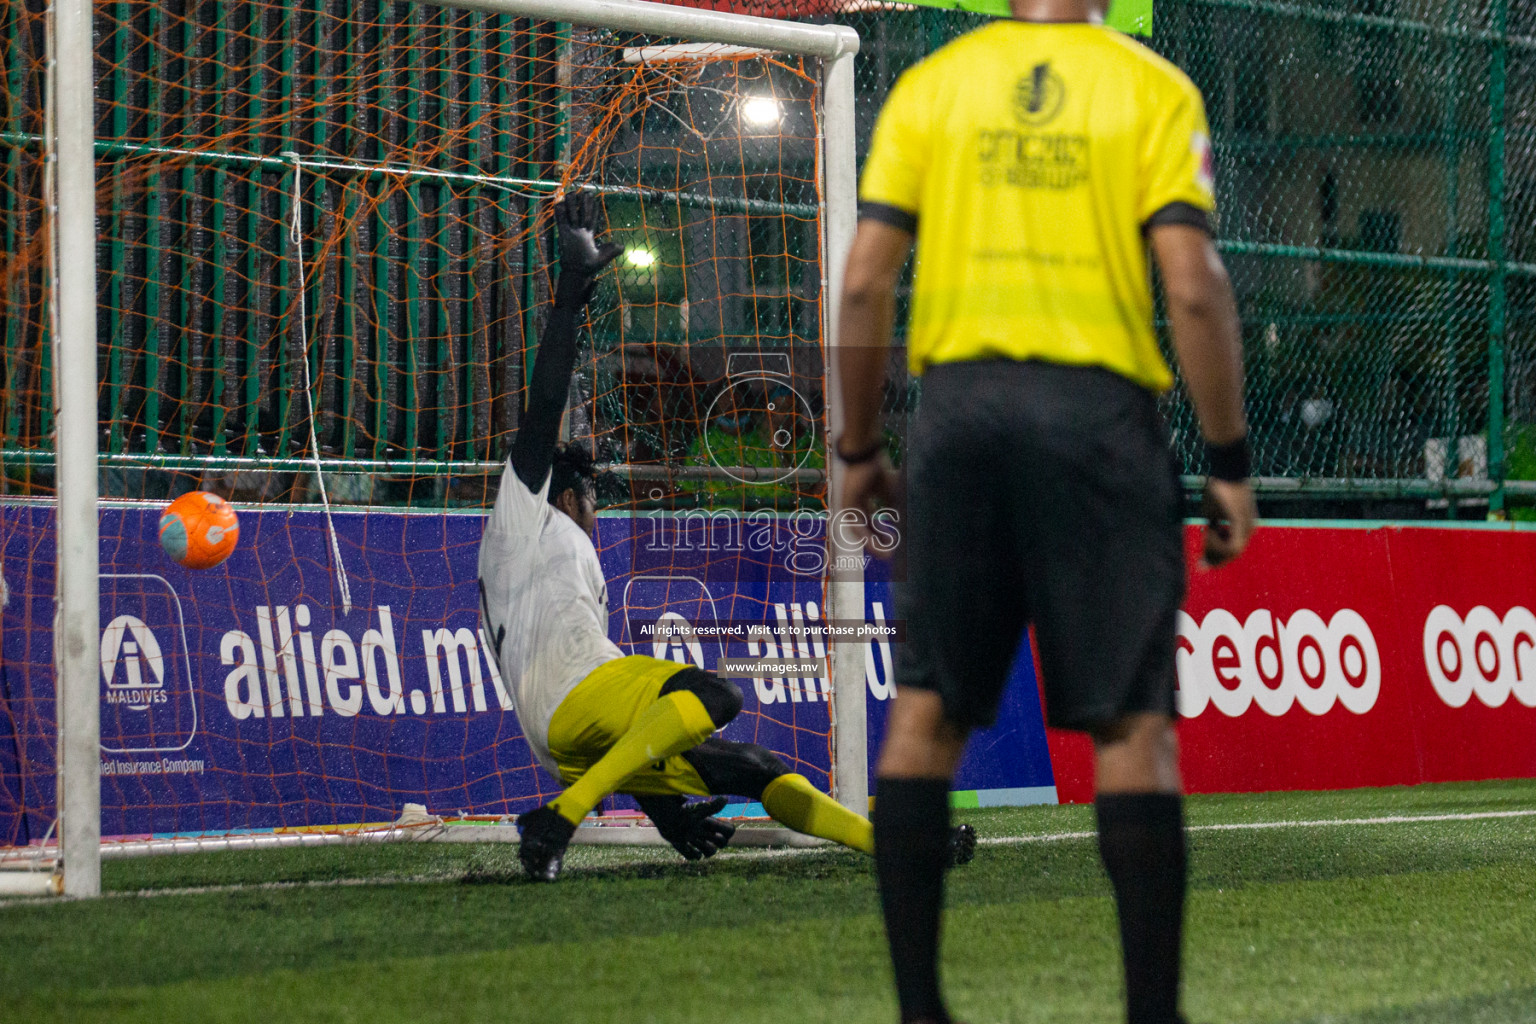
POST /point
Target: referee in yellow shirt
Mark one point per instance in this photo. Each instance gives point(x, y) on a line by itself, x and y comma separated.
point(1035, 162)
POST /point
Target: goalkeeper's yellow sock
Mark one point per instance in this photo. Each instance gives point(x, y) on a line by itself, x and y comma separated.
point(670, 725)
point(792, 800)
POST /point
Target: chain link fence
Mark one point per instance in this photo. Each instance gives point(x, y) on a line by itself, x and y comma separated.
point(1375, 166)
point(1376, 180)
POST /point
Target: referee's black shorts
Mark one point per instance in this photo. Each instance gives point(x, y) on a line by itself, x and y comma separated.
point(1043, 494)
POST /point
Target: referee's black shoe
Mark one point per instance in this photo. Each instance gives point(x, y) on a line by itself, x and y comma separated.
point(545, 835)
point(962, 845)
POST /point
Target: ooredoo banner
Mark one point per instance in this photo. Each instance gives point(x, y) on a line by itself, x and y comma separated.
point(1335, 657)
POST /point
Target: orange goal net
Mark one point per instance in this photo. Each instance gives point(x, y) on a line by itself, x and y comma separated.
point(324, 258)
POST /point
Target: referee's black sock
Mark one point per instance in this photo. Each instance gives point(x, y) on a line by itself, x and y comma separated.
point(1141, 838)
point(911, 851)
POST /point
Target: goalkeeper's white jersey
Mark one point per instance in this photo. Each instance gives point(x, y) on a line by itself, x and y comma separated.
point(545, 605)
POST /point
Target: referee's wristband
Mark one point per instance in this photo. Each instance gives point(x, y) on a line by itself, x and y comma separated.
point(863, 455)
point(1232, 462)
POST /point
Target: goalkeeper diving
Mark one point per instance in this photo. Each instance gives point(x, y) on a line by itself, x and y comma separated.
point(598, 720)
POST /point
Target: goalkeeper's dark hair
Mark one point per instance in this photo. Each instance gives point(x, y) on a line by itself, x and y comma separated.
point(572, 469)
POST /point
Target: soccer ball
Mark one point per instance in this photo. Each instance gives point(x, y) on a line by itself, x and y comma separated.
point(199, 530)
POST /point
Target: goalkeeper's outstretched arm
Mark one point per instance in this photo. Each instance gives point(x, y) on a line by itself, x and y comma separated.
point(581, 260)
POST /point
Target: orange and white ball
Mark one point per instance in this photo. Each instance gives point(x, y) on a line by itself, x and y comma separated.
point(199, 530)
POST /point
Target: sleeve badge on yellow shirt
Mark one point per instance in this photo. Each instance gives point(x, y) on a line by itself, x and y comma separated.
point(1205, 175)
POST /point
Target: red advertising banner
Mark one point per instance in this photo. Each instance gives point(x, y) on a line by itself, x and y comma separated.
point(1328, 658)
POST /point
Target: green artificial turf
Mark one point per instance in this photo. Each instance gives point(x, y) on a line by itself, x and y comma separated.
point(1389, 923)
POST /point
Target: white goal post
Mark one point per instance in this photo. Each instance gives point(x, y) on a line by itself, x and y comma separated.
point(72, 166)
point(77, 629)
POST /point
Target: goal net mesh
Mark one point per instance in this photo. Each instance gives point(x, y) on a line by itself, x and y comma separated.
point(325, 256)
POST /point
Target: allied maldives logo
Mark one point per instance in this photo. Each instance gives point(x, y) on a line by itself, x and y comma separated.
point(148, 702)
point(132, 664)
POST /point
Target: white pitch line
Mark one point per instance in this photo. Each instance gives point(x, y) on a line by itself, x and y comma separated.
point(204, 890)
point(762, 854)
point(1243, 826)
point(349, 883)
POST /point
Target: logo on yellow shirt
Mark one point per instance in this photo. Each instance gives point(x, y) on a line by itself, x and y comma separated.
point(1039, 96)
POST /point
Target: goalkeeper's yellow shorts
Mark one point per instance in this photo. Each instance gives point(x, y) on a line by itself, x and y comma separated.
point(601, 709)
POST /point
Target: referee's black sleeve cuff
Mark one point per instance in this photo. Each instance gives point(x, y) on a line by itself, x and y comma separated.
point(1188, 214)
point(895, 216)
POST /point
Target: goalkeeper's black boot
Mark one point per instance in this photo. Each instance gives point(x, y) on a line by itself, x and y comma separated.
point(545, 835)
point(962, 845)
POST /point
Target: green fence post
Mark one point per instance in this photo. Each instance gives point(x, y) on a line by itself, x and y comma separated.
point(217, 396)
point(286, 327)
point(384, 306)
point(1499, 292)
point(117, 87)
point(350, 213)
point(156, 242)
point(413, 261)
point(531, 169)
point(10, 207)
point(477, 37)
point(325, 407)
point(935, 32)
point(15, 291)
point(255, 291)
point(188, 301)
point(504, 97)
point(1450, 151)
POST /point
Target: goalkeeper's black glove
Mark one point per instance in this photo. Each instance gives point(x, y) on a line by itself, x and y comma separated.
point(690, 828)
point(581, 257)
